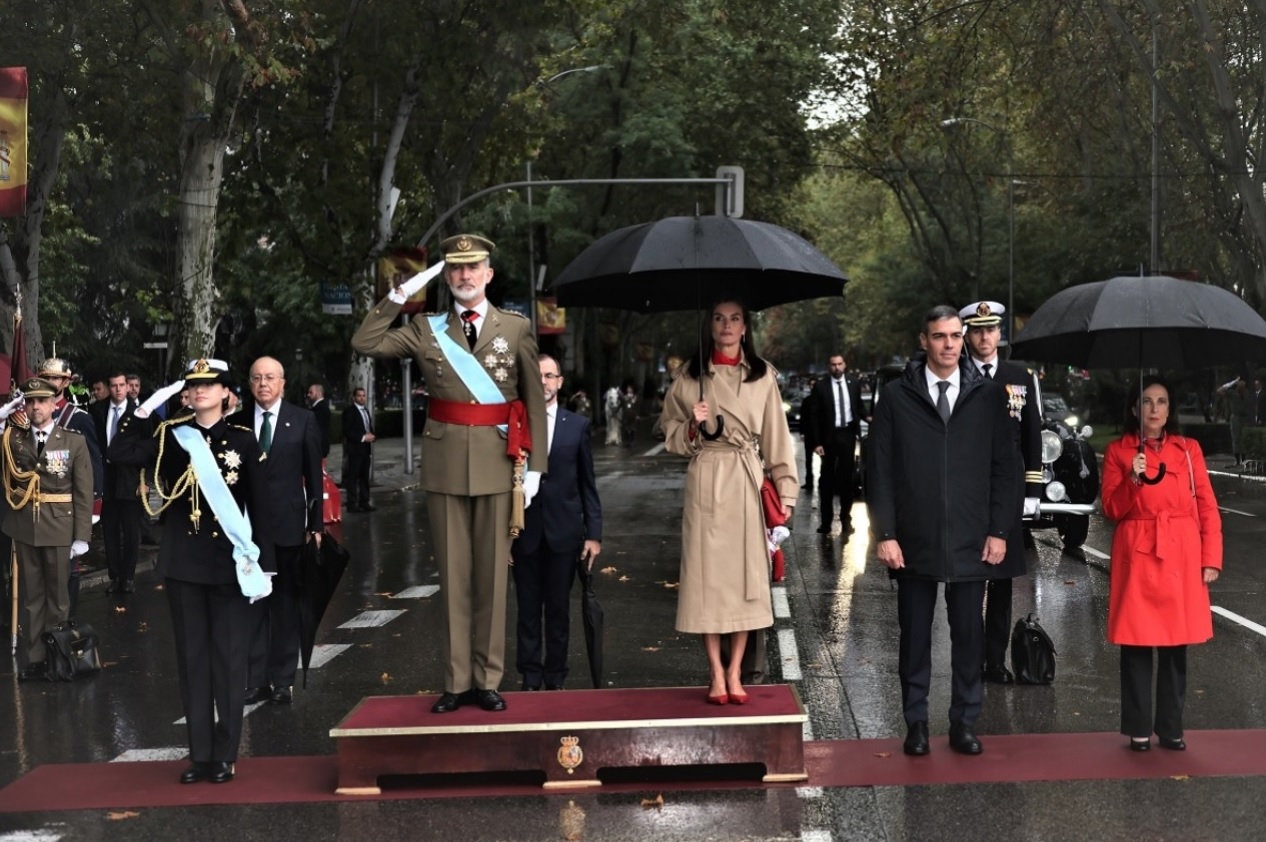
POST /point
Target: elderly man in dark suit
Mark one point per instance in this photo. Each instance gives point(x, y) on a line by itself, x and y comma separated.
point(287, 517)
point(562, 527)
point(120, 501)
point(835, 422)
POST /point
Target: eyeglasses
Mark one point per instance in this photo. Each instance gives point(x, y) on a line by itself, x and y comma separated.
point(265, 378)
point(551, 377)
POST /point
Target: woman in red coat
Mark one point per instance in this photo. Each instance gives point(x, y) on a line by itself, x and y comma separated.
point(1166, 551)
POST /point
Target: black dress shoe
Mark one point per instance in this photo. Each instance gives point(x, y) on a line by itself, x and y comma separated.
point(113, 587)
point(553, 687)
point(824, 529)
point(448, 703)
point(281, 696)
point(490, 700)
point(998, 675)
point(221, 772)
point(1141, 744)
point(529, 688)
point(197, 771)
point(964, 741)
point(1176, 744)
point(255, 695)
point(33, 672)
point(129, 587)
point(916, 744)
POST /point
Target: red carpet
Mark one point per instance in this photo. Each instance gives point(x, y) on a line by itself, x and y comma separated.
point(835, 763)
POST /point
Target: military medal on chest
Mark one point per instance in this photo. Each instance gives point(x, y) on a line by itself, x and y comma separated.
point(1017, 397)
point(57, 462)
point(500, 360)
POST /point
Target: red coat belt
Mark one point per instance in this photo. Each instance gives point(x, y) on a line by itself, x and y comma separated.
point(468, 414)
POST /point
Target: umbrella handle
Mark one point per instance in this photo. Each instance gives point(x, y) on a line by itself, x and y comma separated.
point(1160, 475)
point(713, 436)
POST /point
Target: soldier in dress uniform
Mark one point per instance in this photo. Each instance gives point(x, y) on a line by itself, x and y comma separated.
point(982, 321)
point(47, 474)
point(205, 542)
point(480, 368)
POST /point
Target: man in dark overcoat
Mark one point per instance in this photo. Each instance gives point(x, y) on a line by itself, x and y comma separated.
point(835, 422)
point(982, 321)
point(942, 503)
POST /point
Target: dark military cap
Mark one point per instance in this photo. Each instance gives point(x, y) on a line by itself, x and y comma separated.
point(38, 387)
point(466, 248)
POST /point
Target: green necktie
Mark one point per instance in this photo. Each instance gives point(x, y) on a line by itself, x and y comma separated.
point(266, 433)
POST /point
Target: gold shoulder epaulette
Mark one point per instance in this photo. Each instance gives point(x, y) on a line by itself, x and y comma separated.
point(242, 427)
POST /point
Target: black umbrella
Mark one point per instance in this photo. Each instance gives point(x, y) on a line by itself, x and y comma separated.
point(591, 615)
point(679, 262)
point(1143, 322)
point(319, 574)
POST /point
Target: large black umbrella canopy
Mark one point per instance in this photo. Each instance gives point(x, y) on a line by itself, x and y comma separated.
point(683, 262)
point(592, 617)
point(319, 574)
point(1143, 322)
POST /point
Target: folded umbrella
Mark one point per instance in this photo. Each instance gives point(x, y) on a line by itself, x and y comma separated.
point(320, 570)
point(591, 616)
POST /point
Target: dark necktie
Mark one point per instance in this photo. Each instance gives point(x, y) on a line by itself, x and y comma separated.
point(986, 368)
point(40, 436)
point(942, 401)
point(266, 433)
point(468, 327)
point(839, 397)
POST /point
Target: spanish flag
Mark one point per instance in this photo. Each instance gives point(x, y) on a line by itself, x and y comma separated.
point(12, 141)
point(397, 266)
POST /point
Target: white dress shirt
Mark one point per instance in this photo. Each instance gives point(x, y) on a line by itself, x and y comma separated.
point(481, 308)
point(951, 394)
point(843, 406)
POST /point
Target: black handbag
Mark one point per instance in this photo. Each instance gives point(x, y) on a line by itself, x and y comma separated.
point(70, 652)
point(1032, 653)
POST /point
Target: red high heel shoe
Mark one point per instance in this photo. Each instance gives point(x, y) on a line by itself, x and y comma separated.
point(739, 698)
point(721, 699)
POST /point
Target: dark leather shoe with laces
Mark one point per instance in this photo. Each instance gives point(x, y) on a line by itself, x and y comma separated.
point(964, 741)
point(998, 674)
point(824, 529)
point(255, 695)
point(916, 744)
point(197, 771)
point(129, 586)
point(281, 696)
point(553, 687)
point(490, 700)
point(1176, 744)
point(448, 703)
point(221, 772)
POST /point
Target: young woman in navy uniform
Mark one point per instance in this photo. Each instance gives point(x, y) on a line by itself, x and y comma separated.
point(196, 560)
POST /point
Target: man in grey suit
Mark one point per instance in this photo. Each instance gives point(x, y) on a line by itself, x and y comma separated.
point(287, 517)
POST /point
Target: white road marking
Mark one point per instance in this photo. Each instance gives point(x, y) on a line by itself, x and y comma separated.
point(144, 755)
point(816, 836)
point(790, 655)
point(30, 836)
point(1235, 512)
point(371, 619)
point(782, 608)
point(810, 791)
point(806, 730)
point(1095, 552)
point(323, 653)
point(1243, 621)
point(656, 450)
point(417, 592)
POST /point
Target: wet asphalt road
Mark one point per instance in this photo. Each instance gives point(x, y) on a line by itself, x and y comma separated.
point(838, 644)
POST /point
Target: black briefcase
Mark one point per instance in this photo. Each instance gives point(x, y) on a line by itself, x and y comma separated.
point(1032, 653)
point(70, 652)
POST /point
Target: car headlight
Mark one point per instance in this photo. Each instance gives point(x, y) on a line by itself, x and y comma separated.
point(786, 407)
point(1052, 447)
point(1056, 492)
point(1071, 421)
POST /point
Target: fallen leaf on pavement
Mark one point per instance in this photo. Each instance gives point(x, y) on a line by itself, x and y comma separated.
point(650, 648)
point(883, 754)
point(672, 586)
point(119, 609)
point(625, 579)
point(1180, 777)
point(119, 815)
point(656, 803)
point(386, 678)
point(610, 571)
point(1070, 581)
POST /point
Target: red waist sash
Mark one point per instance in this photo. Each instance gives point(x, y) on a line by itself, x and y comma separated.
point(468, 414)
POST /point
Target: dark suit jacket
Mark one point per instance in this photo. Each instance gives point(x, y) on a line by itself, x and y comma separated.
point(822, 419)
point(354, 428)
point(121, 480)
point(321, 412)
point(292, 504)
point(566, 511)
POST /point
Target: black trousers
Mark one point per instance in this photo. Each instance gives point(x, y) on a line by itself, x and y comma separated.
point(809, 447)
point(121, 525)
point(1136, 691)
point(837, 474)
point(916, 602)
point(997, 621)
point(274, 655)
point(211, 624)
point(356, 483)
point(542, 588)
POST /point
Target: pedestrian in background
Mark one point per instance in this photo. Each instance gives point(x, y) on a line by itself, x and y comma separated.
point(724, 583)
point(1166, 551)
point(808, 406)
point(121, 503)
point(358, 450)
point(835, 425)
point(320, 408)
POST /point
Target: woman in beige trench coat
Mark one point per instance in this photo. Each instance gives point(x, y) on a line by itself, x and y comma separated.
point(724, 554)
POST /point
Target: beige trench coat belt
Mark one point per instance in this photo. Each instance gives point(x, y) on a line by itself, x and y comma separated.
point(756, 568)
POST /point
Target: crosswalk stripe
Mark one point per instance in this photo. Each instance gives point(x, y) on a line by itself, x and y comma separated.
point(1243, 621)
point(417, 592)
point(371, 619)
point(782, 608)
point(790, 656)
point(145, 755)
point(323, 653)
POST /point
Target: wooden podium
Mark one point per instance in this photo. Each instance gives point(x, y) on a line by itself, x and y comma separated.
point(571, 735)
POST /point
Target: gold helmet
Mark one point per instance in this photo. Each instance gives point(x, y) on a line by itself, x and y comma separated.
point(55, 367)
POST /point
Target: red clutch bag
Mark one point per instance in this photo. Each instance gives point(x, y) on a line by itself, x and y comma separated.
point(771, 503)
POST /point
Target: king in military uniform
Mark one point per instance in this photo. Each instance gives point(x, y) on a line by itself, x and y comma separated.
point(48, 483)
point(480, 367)
point(982, 321)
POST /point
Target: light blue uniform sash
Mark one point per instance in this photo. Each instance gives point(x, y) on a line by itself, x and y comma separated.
point(474, 375)
point(254, 582)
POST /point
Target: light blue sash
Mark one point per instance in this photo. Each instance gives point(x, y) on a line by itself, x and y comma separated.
point(474, 375)
point(254, 582)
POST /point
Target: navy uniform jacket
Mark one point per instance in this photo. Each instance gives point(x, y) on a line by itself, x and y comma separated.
point(1021, 395)
point(201, 554)
point(566, 511)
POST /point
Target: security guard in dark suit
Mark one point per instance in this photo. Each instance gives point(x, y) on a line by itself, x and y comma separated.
point(982, 321)
point(47, 475)
point(474, 349)
point(834, 421)
point(211, 619)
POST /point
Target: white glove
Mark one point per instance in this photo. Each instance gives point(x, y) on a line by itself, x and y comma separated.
point(1031, 506)
point(159, 398)
point(774, 537)
point(78, 548)
point(531, 485)
point(12, 406)
point(411, 287)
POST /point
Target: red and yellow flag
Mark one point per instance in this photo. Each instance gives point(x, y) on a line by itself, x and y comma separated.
point(397, 266)
point(550, 318)
point(13, 95)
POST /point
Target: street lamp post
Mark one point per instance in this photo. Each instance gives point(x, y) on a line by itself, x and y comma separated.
point(950, 122)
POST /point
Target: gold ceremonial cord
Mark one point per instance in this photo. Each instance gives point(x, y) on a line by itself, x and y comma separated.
point(188, 481)
point(12, 475)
